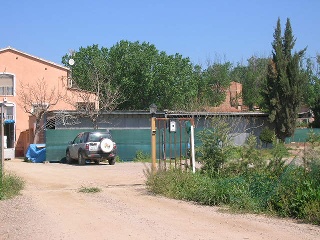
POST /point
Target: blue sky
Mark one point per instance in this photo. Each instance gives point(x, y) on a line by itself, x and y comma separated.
point(203, 30)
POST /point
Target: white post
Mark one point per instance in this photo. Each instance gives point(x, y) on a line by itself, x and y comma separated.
point(2, 143)
point(193, 155)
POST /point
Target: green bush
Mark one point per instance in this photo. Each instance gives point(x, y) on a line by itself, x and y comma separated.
point(250, 158)
point(216, 146)
point(142, 157)
point(294, 193)
point(312, 212)
point(266, 136)
point(278, 152)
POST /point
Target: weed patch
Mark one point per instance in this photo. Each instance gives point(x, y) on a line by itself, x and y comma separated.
point(89, 190)
point(10, 186)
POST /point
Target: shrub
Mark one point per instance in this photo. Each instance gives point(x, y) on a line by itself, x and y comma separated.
point(142, 157)
point(266, 136)
point(294, 191)
point(10, 186)
point(251, 158)
point(312, 212)
point(278, 152)
point(216, 146)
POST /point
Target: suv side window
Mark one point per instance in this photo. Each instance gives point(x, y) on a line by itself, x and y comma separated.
point(78, 139)
point(84, 137)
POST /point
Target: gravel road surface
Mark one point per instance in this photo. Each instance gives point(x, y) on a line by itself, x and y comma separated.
point(51, 207)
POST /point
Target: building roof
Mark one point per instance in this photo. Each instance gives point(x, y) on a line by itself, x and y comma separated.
point(171, 113)
point(10, 49)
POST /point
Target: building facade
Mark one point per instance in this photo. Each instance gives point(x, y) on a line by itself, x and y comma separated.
point(21, 73)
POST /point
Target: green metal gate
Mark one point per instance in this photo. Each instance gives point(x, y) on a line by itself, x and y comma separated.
point(173, 142)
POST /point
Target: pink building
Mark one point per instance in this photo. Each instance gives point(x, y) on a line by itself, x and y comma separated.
point(19, 73)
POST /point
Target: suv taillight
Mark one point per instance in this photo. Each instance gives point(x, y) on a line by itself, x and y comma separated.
point(114, 146)
point(87, 146)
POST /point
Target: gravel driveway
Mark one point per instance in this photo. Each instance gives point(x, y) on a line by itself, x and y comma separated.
point(51, 207)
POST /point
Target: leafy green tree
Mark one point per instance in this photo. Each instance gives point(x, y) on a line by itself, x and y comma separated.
point(216, 79)
point(88, 60)
point(253, 79)
point(200, 101)
point(254, 82)
point(309, 95)
point(175, 82)
point(144, 75)
point(147, 76)
point(285, 83)
point(312, 97)
point(91, 75)
point(132, 66)
point(239, 73)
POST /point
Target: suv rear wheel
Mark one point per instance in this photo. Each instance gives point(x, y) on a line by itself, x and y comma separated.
point(112, 161)
point(81, 159)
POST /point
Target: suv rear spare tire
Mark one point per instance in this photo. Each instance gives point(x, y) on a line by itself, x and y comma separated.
point(106, 145)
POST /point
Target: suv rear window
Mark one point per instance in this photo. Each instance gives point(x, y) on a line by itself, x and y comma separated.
point(98, 136)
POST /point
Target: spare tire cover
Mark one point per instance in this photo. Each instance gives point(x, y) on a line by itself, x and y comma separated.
point(106, 145)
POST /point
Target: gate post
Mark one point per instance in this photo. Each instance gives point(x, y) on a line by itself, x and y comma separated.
point(153, 110)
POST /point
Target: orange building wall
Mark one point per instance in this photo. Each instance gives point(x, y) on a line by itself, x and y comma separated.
point(30, 69)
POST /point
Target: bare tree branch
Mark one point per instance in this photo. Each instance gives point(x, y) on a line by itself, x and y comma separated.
point(103, 97)
point(37, 99)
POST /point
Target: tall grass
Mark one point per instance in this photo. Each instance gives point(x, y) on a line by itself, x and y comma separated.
point(10, 186)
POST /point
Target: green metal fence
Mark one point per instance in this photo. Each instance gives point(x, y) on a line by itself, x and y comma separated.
point(129, 141)
point(301, 134)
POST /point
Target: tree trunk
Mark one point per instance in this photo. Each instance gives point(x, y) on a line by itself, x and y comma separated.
point(36, 132)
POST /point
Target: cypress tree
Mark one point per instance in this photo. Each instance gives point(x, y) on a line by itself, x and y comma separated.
point(285, 82)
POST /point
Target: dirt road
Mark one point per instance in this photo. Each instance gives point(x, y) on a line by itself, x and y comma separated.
point(51, 207)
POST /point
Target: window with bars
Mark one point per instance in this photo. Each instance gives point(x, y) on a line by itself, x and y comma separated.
point(6, 84)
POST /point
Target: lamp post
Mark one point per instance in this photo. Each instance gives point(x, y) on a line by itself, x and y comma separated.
point(153, 110)
point(70, 80)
